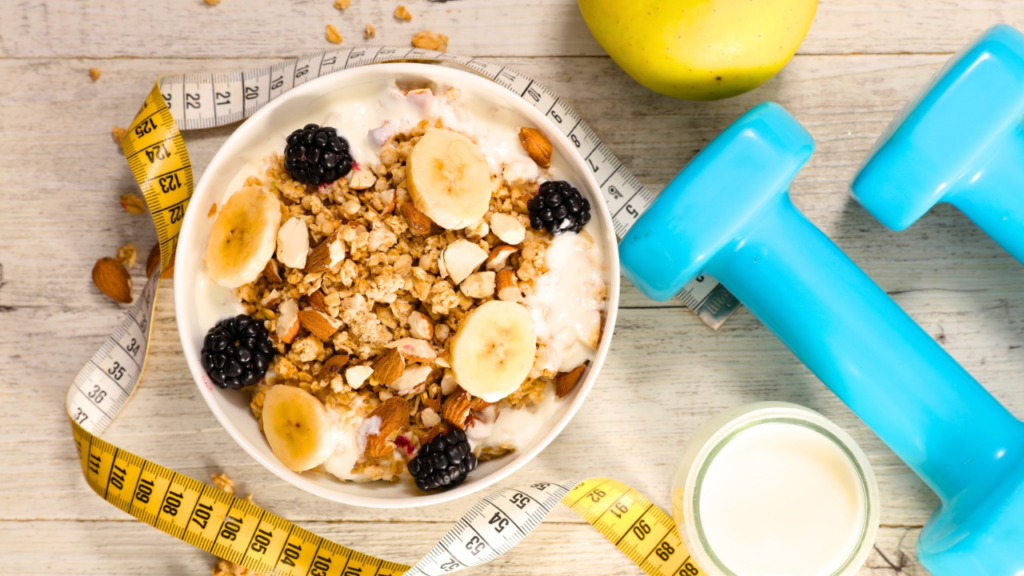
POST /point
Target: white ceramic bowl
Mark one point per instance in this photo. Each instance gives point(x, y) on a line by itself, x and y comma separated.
point(266, 130)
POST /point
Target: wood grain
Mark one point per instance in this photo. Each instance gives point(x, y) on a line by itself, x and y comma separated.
point(247, 29)
point(666, 374)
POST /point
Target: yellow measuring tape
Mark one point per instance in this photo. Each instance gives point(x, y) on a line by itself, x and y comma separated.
point(243, 533)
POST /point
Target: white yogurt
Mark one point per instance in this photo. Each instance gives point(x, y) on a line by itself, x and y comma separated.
point(569, 299)
point(214, 302)
point(513, 427)
point(350, 435)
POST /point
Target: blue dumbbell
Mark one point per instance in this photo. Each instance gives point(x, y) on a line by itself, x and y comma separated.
point(728, 214)
point(962, 142)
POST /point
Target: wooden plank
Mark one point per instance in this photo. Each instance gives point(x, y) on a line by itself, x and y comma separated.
point(58, 113)
point(183, 28)
point(665, 376)
point(125, 548)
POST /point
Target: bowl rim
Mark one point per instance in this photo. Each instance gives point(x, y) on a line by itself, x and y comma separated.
point(460, 77)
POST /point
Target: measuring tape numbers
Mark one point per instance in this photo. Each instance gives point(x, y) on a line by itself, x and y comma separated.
point(240, 531)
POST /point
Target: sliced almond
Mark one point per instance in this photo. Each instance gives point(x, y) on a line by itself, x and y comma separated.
point(388, 367)
point(479, 404)
point(507, 288)
point(478, 285)
point(288, 321)
point(461, 258)
point(430, 435)
point(414, 349)
point(271, 299)
point(333, 365)
point(153, 260)
point(272, 273)
point(410, 382)
point(566, 381)
point(448, 383)
point(316, 301)
point(430, 417)
point(433, 403)
point(536, 145)
point(508, 228)
point(394, 415)
point(420, 326)
point(361, 179)
point(477, 230)
point(327, 254)
point(113, 280)
point(419, 223)
point(499, 256)
point(319, 324)
point(388, 197)
point(293, 243)
point(456, 408)
point(356, 376)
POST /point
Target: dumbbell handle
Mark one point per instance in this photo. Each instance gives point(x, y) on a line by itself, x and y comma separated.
point(993, 197)
point(861, 344)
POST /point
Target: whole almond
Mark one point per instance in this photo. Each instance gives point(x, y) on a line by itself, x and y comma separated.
point(456, 407)
point(394, 415)
point(566, 381)
point(389, 367)
point(333, 365)
point(419, 223)
point(272, 273)
point(319, 324)
point(536, 145)
point(113, 280)
point(316, 301)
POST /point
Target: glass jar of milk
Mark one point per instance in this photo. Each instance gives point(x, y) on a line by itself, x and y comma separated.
point(775, 489)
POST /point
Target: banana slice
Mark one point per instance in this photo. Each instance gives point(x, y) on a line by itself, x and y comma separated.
point(243, 237)
point(297, 427)
point(494, 349)
point(449, 179)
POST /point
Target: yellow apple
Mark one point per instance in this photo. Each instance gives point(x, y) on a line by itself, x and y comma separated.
point(699, 49)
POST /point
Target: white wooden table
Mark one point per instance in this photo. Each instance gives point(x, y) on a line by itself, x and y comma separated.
point(61, 176)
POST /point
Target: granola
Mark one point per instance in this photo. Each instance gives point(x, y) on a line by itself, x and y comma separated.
point(367, 295)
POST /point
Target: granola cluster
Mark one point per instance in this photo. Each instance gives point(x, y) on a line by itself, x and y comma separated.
point(377, 305)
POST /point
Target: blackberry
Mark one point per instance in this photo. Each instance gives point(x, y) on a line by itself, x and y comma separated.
point(237, 352)
point(444, 462)
point(316, 155)
point(558, 208)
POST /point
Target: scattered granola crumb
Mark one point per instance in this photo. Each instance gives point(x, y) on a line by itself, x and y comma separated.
point(342, 4)
point(213, 210)
point(126, 256)
point(225, 568)
point(133, 204)
point(430, 41)
point(94, 73)
point(369, 32)
point(212, 2)
point(402, 13)
point(223, 482)
point(119, 134)
point(333, 36)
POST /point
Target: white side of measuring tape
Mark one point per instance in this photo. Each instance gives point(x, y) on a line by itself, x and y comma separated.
point(208, 100)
